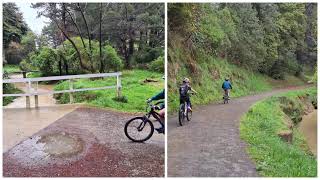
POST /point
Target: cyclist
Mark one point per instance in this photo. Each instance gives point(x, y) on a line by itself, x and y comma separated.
point(160, 95)
point(226, 86)
point(183, 91)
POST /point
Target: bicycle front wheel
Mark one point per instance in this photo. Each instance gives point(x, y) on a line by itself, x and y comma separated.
point(189, 115)
point(181, 115)
point(139, 129)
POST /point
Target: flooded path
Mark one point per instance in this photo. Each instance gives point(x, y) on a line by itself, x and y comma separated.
point(19, 123)
point(308, 127)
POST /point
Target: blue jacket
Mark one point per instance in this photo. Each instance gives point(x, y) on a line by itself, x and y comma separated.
point(226, 85)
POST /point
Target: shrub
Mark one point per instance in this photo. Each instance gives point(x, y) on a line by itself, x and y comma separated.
point(122, 99)
point(157, 65)
point(46, 61)
point(112, 62)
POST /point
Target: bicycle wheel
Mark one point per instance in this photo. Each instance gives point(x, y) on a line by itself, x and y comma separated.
point(139, 129)
point(181, 114)
point(189, 115)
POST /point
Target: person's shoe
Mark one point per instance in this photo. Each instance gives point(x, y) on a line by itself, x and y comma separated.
point(159, 130)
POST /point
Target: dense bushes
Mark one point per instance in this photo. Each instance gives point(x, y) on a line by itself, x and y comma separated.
point(269, 38)
point(64, 59)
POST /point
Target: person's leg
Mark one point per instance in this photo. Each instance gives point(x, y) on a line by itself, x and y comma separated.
point(228, 93)
point(189, 103)
point(162, 114)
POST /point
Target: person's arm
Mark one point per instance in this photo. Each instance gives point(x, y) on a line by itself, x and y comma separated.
point(193, 90)
point(158, 96)
point(230, 85)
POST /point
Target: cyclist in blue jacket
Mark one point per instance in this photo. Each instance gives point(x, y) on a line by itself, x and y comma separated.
point(226, 86)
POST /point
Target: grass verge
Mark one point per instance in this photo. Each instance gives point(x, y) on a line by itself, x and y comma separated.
point(11, 68)
point(259, 127)
point(134, 91)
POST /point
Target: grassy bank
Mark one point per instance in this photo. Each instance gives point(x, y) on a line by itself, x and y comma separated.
point(11, 68)
point(207, 74)
point(134, 90)
point(9, 89)
point(260, 128)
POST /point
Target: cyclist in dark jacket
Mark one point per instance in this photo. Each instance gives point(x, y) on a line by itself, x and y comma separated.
point(184, 92)
point(226, 86)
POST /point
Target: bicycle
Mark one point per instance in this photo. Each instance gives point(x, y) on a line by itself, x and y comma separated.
point(141, 126)
point(226, 98)
point(184, 113)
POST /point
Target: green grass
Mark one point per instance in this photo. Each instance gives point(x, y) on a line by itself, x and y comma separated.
point(133, 88)
point(9, 89)
point(274, 157)
point(11, 68)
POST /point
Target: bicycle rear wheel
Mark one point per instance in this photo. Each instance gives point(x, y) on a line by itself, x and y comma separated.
point(139, 129)
point(181, 115)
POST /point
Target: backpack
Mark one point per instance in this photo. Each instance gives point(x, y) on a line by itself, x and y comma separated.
point(183, 90)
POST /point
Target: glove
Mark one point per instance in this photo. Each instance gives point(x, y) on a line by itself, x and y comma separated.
point(149, 100)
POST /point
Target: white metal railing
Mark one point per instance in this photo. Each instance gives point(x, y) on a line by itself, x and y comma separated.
point(34, 91)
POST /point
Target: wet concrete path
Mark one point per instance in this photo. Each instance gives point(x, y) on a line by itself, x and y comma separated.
point(94, 146)
point(210, 144)
point(19, 123)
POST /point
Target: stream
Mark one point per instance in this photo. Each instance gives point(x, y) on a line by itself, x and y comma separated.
point(308, 127)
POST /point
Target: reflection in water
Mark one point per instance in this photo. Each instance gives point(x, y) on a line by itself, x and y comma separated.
point(308, 127)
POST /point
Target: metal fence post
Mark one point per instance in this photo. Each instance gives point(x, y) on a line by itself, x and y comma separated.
point(118, 86)
point(28, 97)
point(71, 88)
point(36, 100)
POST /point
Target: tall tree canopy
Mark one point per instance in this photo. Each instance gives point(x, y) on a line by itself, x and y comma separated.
point(273, 38)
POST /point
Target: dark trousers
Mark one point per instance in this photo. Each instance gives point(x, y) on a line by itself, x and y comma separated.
point(185, 99)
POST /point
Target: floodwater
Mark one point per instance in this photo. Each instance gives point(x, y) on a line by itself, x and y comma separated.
point(20, 123)
point(308, 127)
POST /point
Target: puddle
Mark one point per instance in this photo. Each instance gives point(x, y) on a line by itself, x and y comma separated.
point(58, 148)
point(61, 145)
point(308, 127)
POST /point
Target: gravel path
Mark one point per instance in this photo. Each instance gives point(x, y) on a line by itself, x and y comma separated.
point(103, 149)
point(210, 144)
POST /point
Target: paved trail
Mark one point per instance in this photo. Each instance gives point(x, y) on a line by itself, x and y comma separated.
point(210, 145)
point(86, 142)
point(74, 141)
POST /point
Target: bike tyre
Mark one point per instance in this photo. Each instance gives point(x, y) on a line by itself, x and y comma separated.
point(181, 114)
point(141, 140)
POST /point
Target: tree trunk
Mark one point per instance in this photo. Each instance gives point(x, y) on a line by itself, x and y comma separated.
point(100, 41)
point(89, 36)
point(73, 44)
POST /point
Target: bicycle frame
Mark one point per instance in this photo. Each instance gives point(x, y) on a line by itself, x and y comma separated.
point(154, 114)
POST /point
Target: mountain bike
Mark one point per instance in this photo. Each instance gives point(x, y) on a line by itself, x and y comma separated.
point(184, 113)
point(140, 129)
point(226, 98)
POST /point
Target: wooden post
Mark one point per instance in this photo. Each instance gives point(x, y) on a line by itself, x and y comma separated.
point(36, 101)
point(118, 86)
point(28, 97)
point(70, 88)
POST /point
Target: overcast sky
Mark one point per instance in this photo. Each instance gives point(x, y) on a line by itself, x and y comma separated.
point(30, 17)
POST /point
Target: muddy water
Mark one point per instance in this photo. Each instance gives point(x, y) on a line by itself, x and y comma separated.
point(20, 102)
point(308, 127)
point(20, 123)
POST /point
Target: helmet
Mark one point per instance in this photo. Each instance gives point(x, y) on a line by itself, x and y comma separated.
point(227, 79)
point(186, 80)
